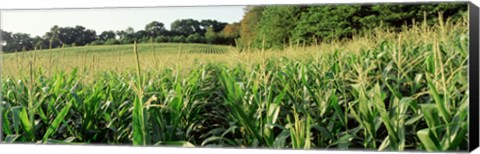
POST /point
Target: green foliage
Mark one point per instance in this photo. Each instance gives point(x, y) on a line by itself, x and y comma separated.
point(178, 39)
point(112, 42)
point(155, 29)
point(401, 93)
point(216, 25)
point(185, 27)
point(211, 36)
point(393, 96)
point(276, 24)
point(106, 35)
point(396, 15)
point(98, 42)
point(231, 33)
point(161, 39)
point(249, 25)
point(78, 35)
point(287, 25)
point(182, 29)
point(195, 38)
point(16, 42)
point(326, 23)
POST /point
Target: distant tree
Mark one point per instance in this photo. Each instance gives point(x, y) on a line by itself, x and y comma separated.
point(216, 25)
point(97, 42)
point(161, 38)
point(52, 37)
point(232, 30)
point(106, 35)
point(185, 27)
point(112, 42)
point(129, 31)
point(230, 33)
point(249, 24)
point(120, 34)
point(155, 29)
point(40, 43)
point(126, 36)
point(195, 38)
point(325, 23)
point(16, 41)
point(178, 39)
point(6, 38)
point(86, 37)
point(141, 36)
point(66, 35)
point(77, 35)
point(20, 42)
point(210, 36)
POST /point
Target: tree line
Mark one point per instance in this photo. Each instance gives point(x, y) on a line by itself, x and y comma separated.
point(261, 26)
point(279, 26)
point(182, 30)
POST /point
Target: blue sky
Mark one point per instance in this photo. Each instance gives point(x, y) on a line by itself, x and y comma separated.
point(37, 22)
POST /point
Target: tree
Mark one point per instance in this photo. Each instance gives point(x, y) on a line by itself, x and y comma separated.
point(17, 41)
point(86, 37)
point(178, 39)
point(230, 33)
point(52, 37)
point(216, 25)
point(325, 23)
point(276, 25)
point(77, 35)
point(106, 35)
point(126, 36)
point(396, 15)
point(232, 30)
point(66, 35)
point(210, 36)
point(249, 24)
point(97, 42)
point(141, 36)
point(195, 38)
point(20, 42)
point(185, 27)
point(121, 34)
point(155, 29)
point(40, 43)
point(282, 25)
point(112, 42)
point(161, 38)
point(6, 38)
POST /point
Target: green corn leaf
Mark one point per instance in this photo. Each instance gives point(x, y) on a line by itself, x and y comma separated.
point(20, 114)
point(5, 123)
point(139, 134)
point(56, 122)
point(438, 101)
point(11, 138)
point(428, 140)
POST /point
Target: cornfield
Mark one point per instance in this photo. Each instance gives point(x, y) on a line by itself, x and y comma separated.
point(388, 91)
point(207, 49)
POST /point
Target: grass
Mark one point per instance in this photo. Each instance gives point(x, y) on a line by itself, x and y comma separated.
point(385, 91)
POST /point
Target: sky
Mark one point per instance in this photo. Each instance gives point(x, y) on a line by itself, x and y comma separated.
point(38, 22)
